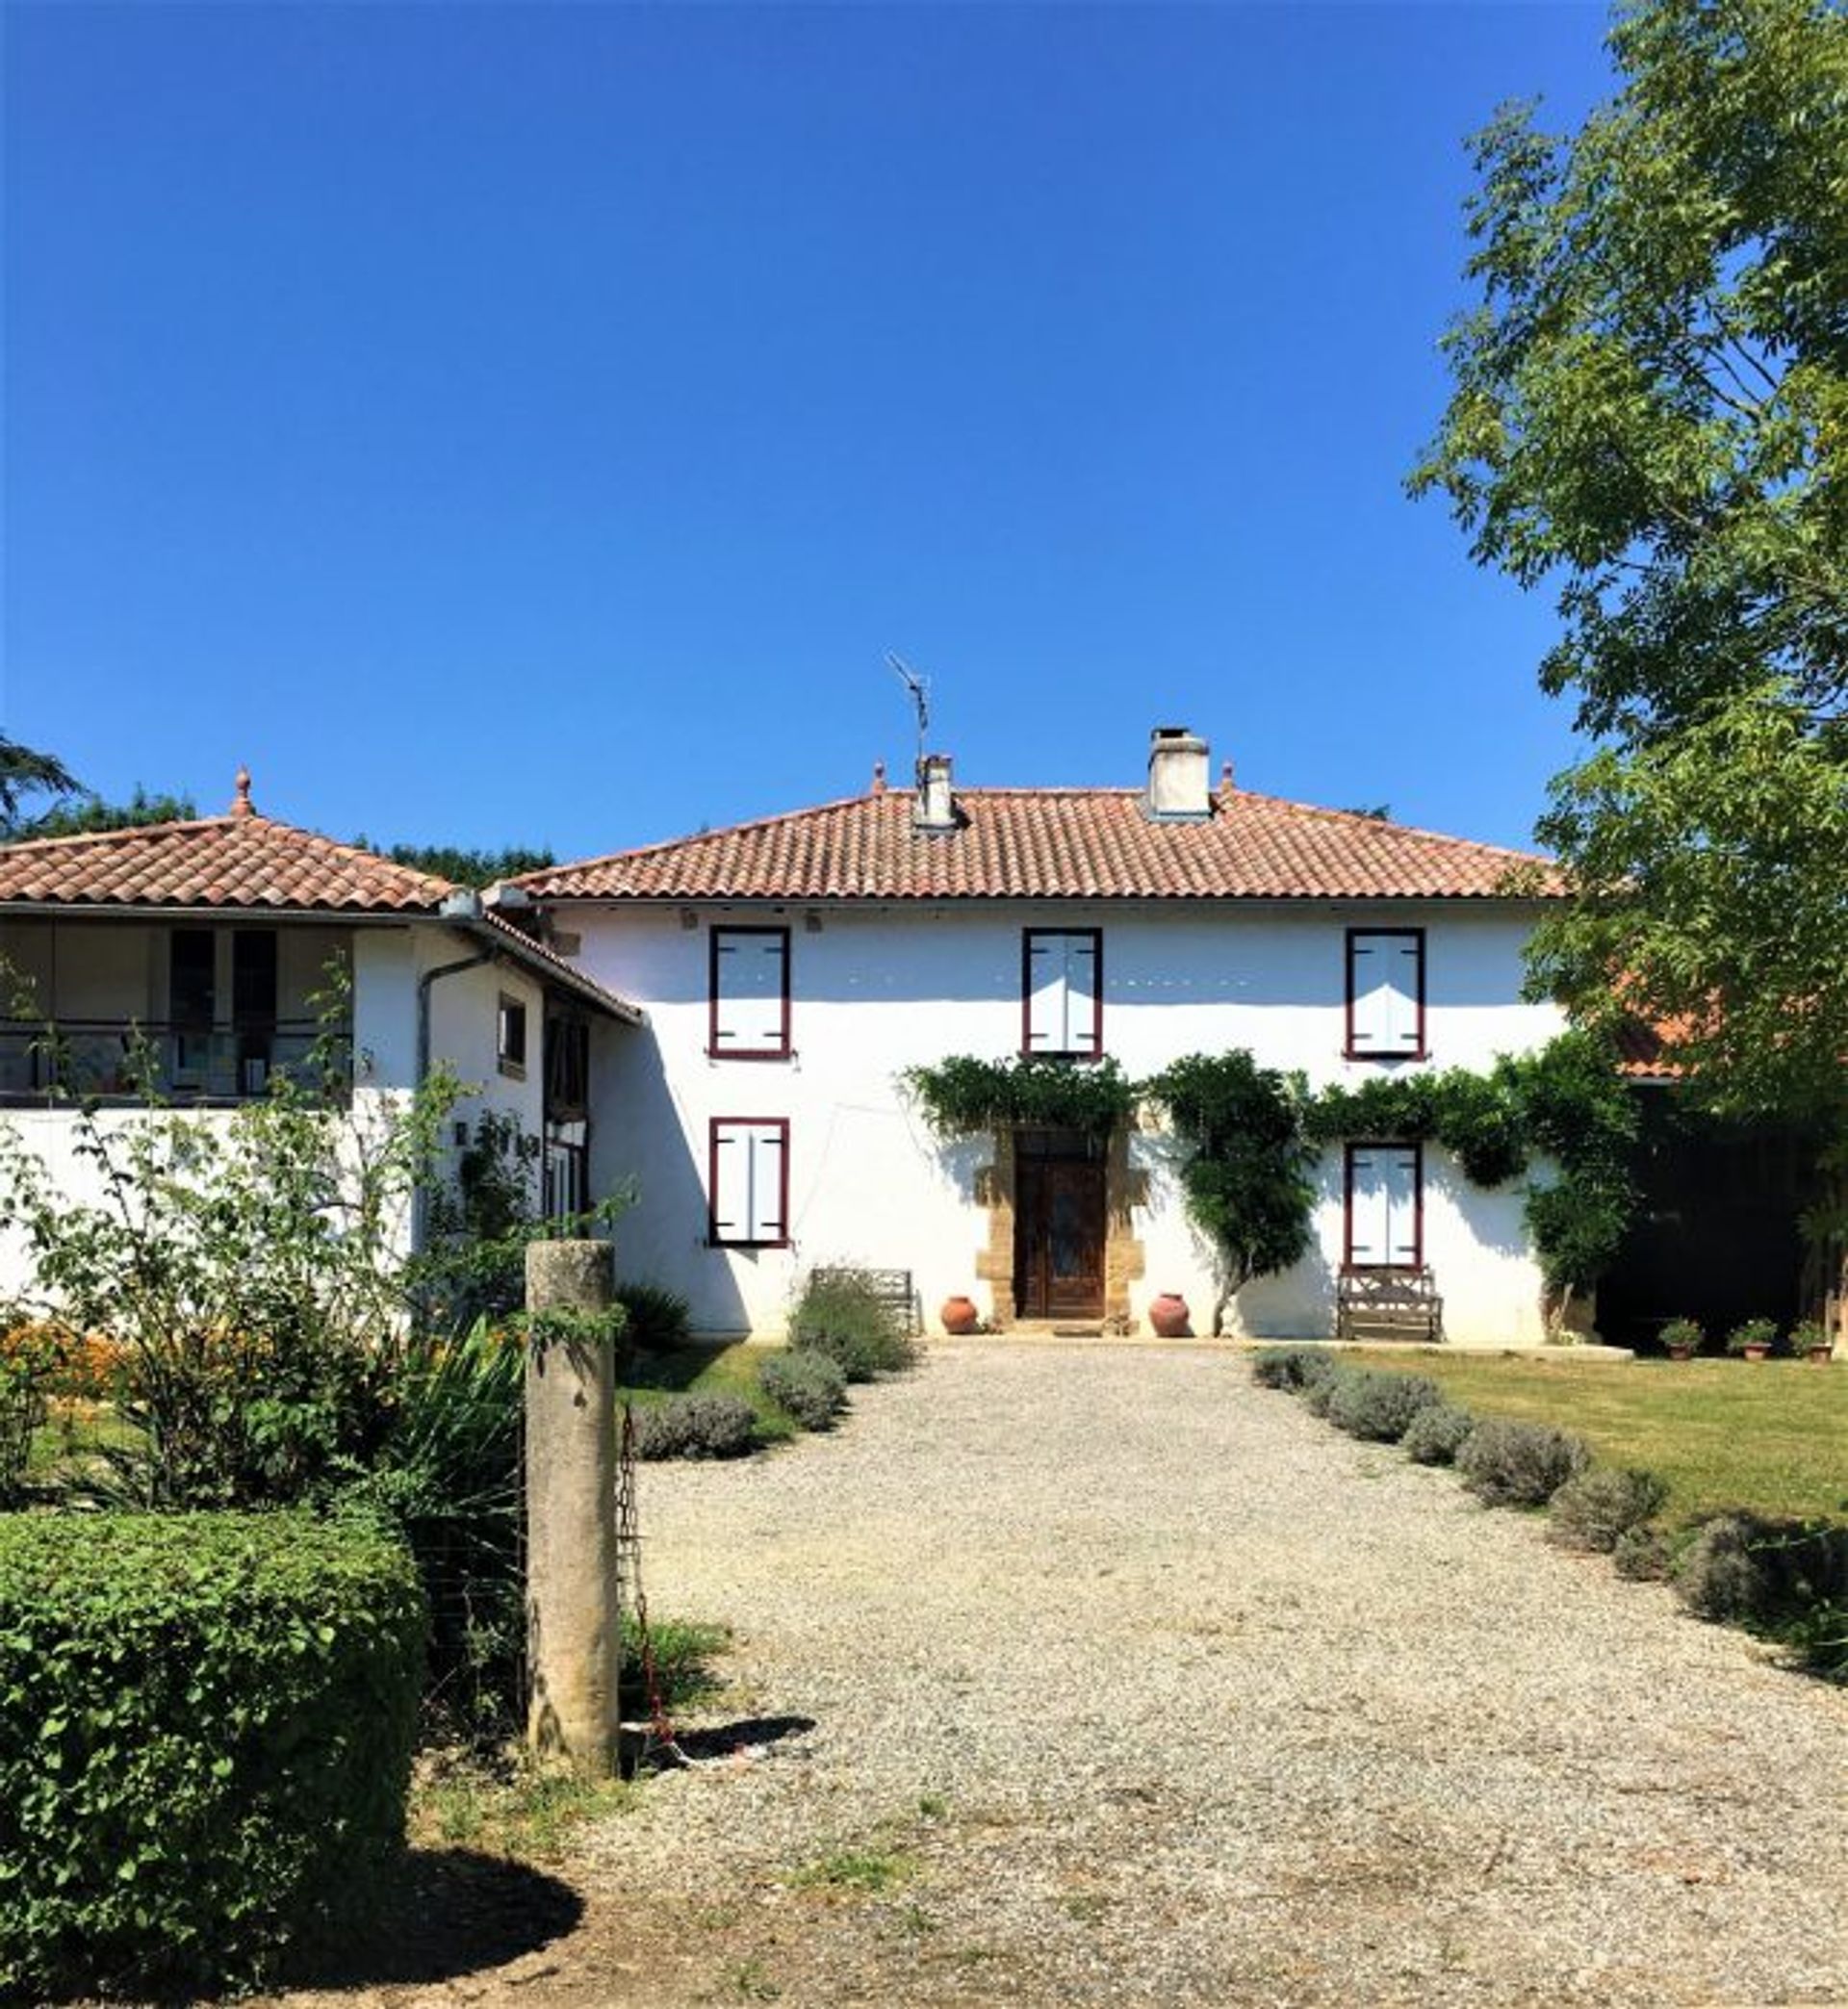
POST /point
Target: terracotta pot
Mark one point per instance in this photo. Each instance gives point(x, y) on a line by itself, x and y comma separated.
point(1758, 1353)
point(959, 1315)
point(1681, 1352)
point(1168, 1316)
point(1820, 1357)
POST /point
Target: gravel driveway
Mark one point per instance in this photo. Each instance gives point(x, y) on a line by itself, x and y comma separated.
point(1133, 1682)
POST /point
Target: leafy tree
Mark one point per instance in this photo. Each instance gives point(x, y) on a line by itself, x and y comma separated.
point(24, 772)
point(1650, 411)
point(1247, 1177)
point(90, 814)
point(467, 867)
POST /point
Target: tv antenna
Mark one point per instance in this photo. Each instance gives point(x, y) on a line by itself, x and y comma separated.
point(919, 689)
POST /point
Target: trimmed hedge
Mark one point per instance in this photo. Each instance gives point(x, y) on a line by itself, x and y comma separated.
point(1763, 1572)
point(811, 1386)
point(206, 1727)
point(1436, 1434)
point(1597, 1509)
point(695, 1427)
point(1379, 1407)
point(1505, 1463)
point(1291, 1368)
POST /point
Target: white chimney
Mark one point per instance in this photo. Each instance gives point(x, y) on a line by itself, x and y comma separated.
point(935, 805)
point(1177, 776)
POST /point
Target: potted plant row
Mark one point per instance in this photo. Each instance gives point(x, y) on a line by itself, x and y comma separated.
point(1812, 1341)
point(1683, 1338)
point(1753, 1339)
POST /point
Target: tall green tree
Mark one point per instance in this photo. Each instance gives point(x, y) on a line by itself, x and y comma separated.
point(88, 815)
point(1650, 413)
point(26, 772)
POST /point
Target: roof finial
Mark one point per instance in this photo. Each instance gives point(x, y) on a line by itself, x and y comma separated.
point(1225, 776)
point(879, 777)
point(240, 805)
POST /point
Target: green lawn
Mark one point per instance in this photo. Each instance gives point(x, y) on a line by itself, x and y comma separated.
point(710, 1369)
point(1766, 1434)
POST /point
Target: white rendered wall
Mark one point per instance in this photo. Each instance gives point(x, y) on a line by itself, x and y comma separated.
point(387, 963)
point(879, 989)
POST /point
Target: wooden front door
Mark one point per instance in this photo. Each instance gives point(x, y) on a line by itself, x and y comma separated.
point(1059, 1236)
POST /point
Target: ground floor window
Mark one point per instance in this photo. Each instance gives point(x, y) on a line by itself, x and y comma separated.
point(749, 1188)
point(1384, 1191)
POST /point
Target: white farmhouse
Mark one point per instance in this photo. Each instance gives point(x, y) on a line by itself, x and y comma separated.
point(206, 942)
point(791, 969)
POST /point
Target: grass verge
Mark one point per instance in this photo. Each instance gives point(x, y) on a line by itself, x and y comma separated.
point(1763, 1434)
point(711, 1369)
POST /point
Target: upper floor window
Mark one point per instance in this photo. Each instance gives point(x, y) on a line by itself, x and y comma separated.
point(510, 1036)
point(1063, 991)
point(1385, 994)
point(567, 1066)
point(1385, 1206)
point(750, 1182)
point(750, 988)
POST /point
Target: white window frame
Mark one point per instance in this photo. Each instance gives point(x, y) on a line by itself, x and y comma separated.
point(1385, 988)
point(1061, 993)
point(1383, 1229)
point(749, 1175)
point(745, 1021)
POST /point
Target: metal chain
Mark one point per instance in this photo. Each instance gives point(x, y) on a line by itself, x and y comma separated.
point(660, 1738)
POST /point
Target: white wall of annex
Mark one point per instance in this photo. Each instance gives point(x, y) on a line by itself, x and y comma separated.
point(387, 964)
point(877, 989)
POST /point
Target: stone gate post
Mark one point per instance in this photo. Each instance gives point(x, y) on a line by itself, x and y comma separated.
point(574, 1635)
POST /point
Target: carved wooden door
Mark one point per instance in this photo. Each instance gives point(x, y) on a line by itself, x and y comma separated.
point(1059, 1238)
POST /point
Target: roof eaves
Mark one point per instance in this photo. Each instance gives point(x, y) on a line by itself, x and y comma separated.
point(552, 967)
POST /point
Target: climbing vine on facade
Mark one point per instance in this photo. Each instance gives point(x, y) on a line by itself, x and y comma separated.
point(1252, 1135)
point(963, 1096)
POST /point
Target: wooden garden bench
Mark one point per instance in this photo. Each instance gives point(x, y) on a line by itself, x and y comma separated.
point(1396, 1303)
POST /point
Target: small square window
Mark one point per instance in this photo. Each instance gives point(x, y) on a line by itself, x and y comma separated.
point(510, 1038)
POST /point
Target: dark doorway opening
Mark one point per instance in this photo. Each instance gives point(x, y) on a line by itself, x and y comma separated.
point(1059, 1224)
point(1716, 1234)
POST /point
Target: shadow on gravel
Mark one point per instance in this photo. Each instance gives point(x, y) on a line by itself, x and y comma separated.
point(751, 1734)
point(453, 1913)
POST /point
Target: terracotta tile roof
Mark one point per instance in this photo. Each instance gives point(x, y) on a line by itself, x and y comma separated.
point(1049, 843)
point(240, 861)
point(1643, 1050)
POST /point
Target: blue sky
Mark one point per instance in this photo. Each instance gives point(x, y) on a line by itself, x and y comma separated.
point(535, 423)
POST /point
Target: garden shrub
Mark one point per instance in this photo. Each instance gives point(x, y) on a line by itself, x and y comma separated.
point(809, 1385)
point(28, 1364)
point(446, 1476)
point(658, 1320)
point(1378, 1407)
point(1319, 1393)
point(1593, 1509)
point(1769, 1574)
point(1291, 1368)
point(695, 1427)
point(1640, 1553)
point(1505, 1463)
point(1434, 1435)
point(840, 1312)
point(206, 1726)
